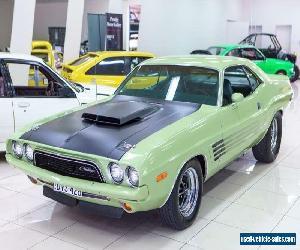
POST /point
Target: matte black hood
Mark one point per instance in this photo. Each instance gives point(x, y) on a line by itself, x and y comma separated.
point(110, 129)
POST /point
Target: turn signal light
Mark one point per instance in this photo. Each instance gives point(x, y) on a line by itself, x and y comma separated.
point(34, 181)
point(161, 176)
point(127, 207)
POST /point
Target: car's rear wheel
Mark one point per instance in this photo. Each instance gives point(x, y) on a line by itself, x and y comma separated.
point(295, 77)
point(268, 148)
point(281, 72)
point(182, 207)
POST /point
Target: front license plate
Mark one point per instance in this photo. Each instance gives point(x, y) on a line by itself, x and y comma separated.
point(67, 190)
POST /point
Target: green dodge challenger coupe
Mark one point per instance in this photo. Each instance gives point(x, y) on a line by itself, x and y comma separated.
point(172, 124)
point(268, 65)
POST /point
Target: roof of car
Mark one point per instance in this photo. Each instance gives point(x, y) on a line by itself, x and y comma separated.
point(121, 53)
point(4, 55)
point(262, 33)
point(208, 61)
point(234, 46)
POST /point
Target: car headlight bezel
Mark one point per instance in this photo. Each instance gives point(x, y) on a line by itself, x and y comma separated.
point(116, 173)
point(28, 152)
point(133, 176)
point(17, 149)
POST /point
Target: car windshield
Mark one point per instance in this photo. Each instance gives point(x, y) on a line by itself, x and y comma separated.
point(216, 50)
point(173, 83)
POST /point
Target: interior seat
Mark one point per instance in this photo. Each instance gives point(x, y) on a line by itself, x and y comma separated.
point(227, 92)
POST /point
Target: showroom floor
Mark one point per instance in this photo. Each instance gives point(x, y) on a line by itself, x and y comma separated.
point(244, 197)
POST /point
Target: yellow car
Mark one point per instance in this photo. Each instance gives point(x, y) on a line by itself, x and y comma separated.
point(107, 68)
point(43, 50)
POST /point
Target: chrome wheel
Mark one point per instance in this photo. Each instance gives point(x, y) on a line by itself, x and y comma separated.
point(274, 134)
point(188, 192)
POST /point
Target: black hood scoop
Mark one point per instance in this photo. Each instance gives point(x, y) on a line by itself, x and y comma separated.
point(111, 128)
point(120, 113)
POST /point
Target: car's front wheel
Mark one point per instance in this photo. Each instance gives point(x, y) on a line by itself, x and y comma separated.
point(268, 148)
point(182, 207)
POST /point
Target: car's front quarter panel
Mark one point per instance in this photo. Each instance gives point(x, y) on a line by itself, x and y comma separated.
point(169, 149)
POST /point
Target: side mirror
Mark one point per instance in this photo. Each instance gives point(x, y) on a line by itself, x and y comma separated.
point(237, 97)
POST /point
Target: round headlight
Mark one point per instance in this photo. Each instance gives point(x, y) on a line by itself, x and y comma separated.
point(116, 172)
point(28, 152)
point(133, 176)
point(17, 149)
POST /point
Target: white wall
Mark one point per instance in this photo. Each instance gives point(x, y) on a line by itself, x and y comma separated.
point(270, 13)
point(178, 27)
point(49, 14)
point(6, 16)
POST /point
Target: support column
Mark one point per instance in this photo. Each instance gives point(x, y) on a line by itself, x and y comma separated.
point(22, 26)
point(73, 29)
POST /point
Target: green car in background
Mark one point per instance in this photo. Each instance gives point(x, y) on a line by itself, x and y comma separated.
point(172, 124)
point(268, 65)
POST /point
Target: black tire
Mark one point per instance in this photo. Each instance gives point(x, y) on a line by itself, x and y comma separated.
point(263, 151)
point(170, 213)
point(296, 75)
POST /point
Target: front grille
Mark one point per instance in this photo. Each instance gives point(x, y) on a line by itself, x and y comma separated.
point(67, 166)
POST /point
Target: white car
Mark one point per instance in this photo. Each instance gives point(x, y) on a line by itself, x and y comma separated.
point(30, 90)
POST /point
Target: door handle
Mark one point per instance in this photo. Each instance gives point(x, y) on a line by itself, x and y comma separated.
point(258, 106)
point(23, 104)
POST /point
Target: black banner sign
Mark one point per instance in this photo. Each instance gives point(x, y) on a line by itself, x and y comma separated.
point(114, 34)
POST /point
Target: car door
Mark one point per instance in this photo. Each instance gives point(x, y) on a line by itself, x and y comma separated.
point(257, 57)
point(241, 120)
point(38, 92)
point(227, 149)
point(251, 108)
point(6, 108)
point(109, 72)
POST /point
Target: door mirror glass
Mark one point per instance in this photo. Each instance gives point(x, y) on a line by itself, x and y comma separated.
point(237, 97)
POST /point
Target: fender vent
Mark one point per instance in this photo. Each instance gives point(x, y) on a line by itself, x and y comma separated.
point(219, 149)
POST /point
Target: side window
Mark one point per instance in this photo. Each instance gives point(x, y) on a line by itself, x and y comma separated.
point(251, 54)
point(234, 52)
point(109, 66)
point(254, 80)
point(32, 80)
point(235, 81)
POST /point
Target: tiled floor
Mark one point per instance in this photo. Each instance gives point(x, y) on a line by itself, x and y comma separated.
point(244, 197)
